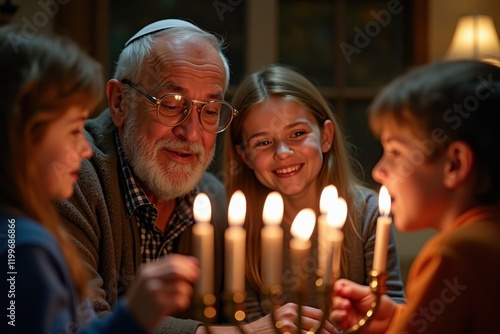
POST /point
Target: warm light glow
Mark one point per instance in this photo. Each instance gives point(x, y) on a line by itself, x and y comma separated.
point(328, 196)
point(202, 210)
point(336, 217)
point(272, 214)
point(237, 209)
point(384, 201)
point(475, 37)
point(303, 224)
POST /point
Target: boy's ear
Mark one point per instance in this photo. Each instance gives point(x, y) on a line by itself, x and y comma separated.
point(458, 168)
point(243, 155)
point(114, 93)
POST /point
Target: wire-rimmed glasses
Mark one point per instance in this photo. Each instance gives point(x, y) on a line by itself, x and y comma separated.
point(173, 109)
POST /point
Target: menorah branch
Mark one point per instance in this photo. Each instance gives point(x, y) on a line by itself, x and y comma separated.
point(377, 286)
point(274, 295)
point(234, 309)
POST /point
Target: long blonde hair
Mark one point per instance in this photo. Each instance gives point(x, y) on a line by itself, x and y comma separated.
point(41, 78)
point(283, 82)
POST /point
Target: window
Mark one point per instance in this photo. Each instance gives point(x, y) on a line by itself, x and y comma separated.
point(350, 49)
point(127, 17)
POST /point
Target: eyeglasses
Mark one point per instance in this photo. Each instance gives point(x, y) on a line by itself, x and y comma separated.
point(173, 109)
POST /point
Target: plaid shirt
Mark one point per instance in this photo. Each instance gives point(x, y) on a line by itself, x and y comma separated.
point(154, 243)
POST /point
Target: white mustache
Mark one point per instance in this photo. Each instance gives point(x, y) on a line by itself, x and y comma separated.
point(177, 145)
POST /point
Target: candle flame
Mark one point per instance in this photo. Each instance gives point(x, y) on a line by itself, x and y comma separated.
point(237, 209)
point(303, 224)
point(273, 209)
point(384, 201)
point(328, 195)
point(336, 217)
point(202, 210)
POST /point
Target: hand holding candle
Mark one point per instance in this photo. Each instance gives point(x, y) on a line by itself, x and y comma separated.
point(328, 197)
point(335, 220)
point(235, 244)
point(383, 229)
point(203, 239)
point(272, 240)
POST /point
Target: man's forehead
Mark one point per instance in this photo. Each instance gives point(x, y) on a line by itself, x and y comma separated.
point(188, 52)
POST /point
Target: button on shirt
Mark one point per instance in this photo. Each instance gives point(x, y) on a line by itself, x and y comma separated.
point(154, 242)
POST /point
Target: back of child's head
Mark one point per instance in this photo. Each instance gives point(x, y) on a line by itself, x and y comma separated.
point(445, 102)
point(42, 76)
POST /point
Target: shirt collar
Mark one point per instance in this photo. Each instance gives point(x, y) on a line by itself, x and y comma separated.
point(133, 194)
point(135, 197)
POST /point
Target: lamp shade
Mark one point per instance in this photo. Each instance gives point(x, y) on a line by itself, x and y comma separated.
point(475, 38)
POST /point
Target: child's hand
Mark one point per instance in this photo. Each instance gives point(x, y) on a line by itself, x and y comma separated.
point(351, 302)
point(288, 314)
point(163, 288)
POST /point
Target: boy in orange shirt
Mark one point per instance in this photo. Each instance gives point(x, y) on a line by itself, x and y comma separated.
point(437, 125)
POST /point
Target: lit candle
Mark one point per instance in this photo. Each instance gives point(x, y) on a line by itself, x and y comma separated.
point(272, 240)
point(328, 196)
point(300, 245)
point(383, 229)
point(335, 220)
point(235, 244)
point(203, 240)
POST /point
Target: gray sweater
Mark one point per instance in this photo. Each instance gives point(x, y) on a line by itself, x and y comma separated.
point(96, 218)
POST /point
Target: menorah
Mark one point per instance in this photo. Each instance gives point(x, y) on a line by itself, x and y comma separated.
point(330, 223)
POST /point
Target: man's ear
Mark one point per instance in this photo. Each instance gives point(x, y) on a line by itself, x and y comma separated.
point(243, 155)
point(458, 167)
point(114, 92)
point(327, 136)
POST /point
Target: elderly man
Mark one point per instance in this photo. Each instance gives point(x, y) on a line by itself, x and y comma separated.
point(133, 202)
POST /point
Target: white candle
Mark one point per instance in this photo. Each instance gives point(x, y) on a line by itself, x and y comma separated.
point(335, 219)
point(235, 244)
point(300, 245)
point(203, 240)
point(272, 240)
point(328, 196)
point(383, 229)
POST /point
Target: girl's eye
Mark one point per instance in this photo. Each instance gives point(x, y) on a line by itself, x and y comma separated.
point(262, 143)
point(298, 134)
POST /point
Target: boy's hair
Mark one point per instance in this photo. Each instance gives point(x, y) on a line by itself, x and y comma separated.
point(445, 102)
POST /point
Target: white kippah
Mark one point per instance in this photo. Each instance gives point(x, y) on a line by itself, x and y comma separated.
point(161, 25)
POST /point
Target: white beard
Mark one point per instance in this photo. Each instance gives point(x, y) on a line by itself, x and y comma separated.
point(167, 181)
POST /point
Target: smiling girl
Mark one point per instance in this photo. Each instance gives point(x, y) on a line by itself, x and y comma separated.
point(287, 139)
